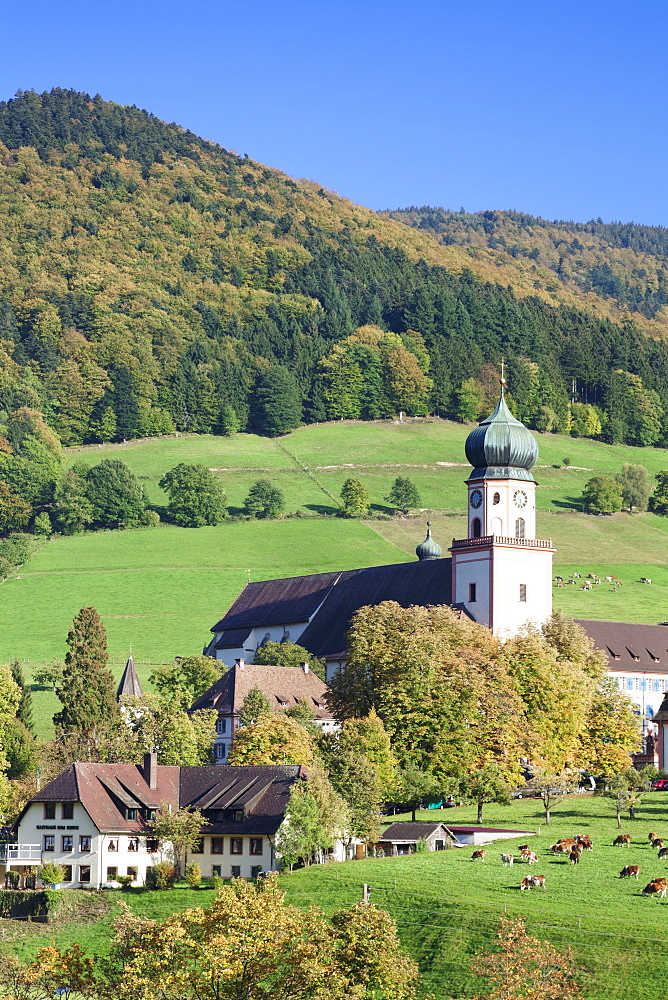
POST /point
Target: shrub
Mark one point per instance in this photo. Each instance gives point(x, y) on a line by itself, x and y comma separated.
point(42, 525)
point(194, 875)
point(421, 847)
point(149, 519)
point(17, 548)
point(51, 873)
point(214, 882)
point(161, 876)
point(5, 568)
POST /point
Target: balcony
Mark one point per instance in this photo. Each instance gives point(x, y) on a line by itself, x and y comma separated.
point(523, 543)
point(20, 852)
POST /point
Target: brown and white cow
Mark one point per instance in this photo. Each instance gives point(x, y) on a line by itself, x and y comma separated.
point(574, 857)
point(657, 887)
point(663, 854)
point(530, 857)
point(652, 836)
point(630, 871)
point(508, 859)
point(585, 841)
point(657, 843)
point(623, 838)
point(478, 856)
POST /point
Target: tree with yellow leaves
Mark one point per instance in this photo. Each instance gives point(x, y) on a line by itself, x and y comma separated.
point(525, 968)
point(248, 944)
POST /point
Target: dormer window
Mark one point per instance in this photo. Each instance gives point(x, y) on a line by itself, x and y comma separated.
point(150, 815)
point(131, 814)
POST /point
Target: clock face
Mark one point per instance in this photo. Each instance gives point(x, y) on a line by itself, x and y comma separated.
point(520, 498)
point(476, 499)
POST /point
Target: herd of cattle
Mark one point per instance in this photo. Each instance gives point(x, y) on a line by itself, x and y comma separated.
point(572, 848)
point(592, 580)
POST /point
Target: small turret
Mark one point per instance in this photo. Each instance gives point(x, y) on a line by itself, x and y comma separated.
point(429, 549)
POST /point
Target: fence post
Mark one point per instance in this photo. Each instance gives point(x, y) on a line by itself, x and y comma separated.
point(365, 893)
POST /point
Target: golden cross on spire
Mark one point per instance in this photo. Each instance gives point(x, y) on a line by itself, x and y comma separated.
point(503, 374)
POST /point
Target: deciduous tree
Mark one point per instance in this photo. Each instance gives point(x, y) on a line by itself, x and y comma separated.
point(178, 830)
point(255, 704)
point(404, 495)
point(272, 739)
point(264, 499)
point(196, 496)
point(355, 497)
point(602, 495)
point(522, 967)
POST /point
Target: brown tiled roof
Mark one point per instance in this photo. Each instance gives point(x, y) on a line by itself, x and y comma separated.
point(129, 686)
point(283, 686)
point(409, 832)
point(630, 647)
point(107, 790)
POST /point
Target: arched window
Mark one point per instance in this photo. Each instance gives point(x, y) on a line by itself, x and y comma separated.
point(519, 527)
point(496, 498)
point(475, 528)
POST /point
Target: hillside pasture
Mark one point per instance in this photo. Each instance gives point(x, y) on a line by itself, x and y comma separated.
point(448, 908)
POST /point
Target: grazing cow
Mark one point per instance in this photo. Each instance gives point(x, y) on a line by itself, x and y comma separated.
point(508, 859)
point(559, 579)
point(585, 842)
point(574, 856)
point(644, 579)
point(623, 838)
point(609, 579)
point(478, 856)
point(663, 854)
point(577, 576)
point(657, 887)
point(630, 871)
point(586, 586)
point(523, 847)
point(657, 843)
point(530, 857)
point(538, 880)
point(652, 836)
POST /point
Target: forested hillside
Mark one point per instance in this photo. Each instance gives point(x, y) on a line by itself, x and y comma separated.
point(153, 281)
point(625, 263)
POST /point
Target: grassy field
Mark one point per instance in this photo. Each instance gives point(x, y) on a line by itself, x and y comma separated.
point(447, 908)
point(159, 591)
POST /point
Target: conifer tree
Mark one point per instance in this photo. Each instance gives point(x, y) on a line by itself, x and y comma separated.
point(87, 688)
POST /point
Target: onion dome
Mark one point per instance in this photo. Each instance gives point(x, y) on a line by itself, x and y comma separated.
point(429, 549)
point(501, 447)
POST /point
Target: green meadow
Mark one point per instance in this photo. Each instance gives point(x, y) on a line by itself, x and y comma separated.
point(447, 907)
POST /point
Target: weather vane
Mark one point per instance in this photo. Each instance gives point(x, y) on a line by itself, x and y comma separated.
point(503, 374)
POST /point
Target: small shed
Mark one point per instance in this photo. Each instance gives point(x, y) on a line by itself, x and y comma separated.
point(401, 838)
point(474, 836)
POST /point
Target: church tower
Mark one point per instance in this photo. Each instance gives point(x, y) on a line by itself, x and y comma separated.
point(501, 572)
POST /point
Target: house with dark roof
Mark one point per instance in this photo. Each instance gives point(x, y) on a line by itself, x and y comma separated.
point(284, 687)
point(95, 820)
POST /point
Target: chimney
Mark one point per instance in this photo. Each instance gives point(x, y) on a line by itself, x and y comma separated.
point(304, 667)
point(240, 663)
point(151, 770)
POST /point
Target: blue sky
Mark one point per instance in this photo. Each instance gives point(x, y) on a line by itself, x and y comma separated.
point(556, 109)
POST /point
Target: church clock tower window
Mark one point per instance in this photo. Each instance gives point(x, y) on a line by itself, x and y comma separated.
point(520, 527)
